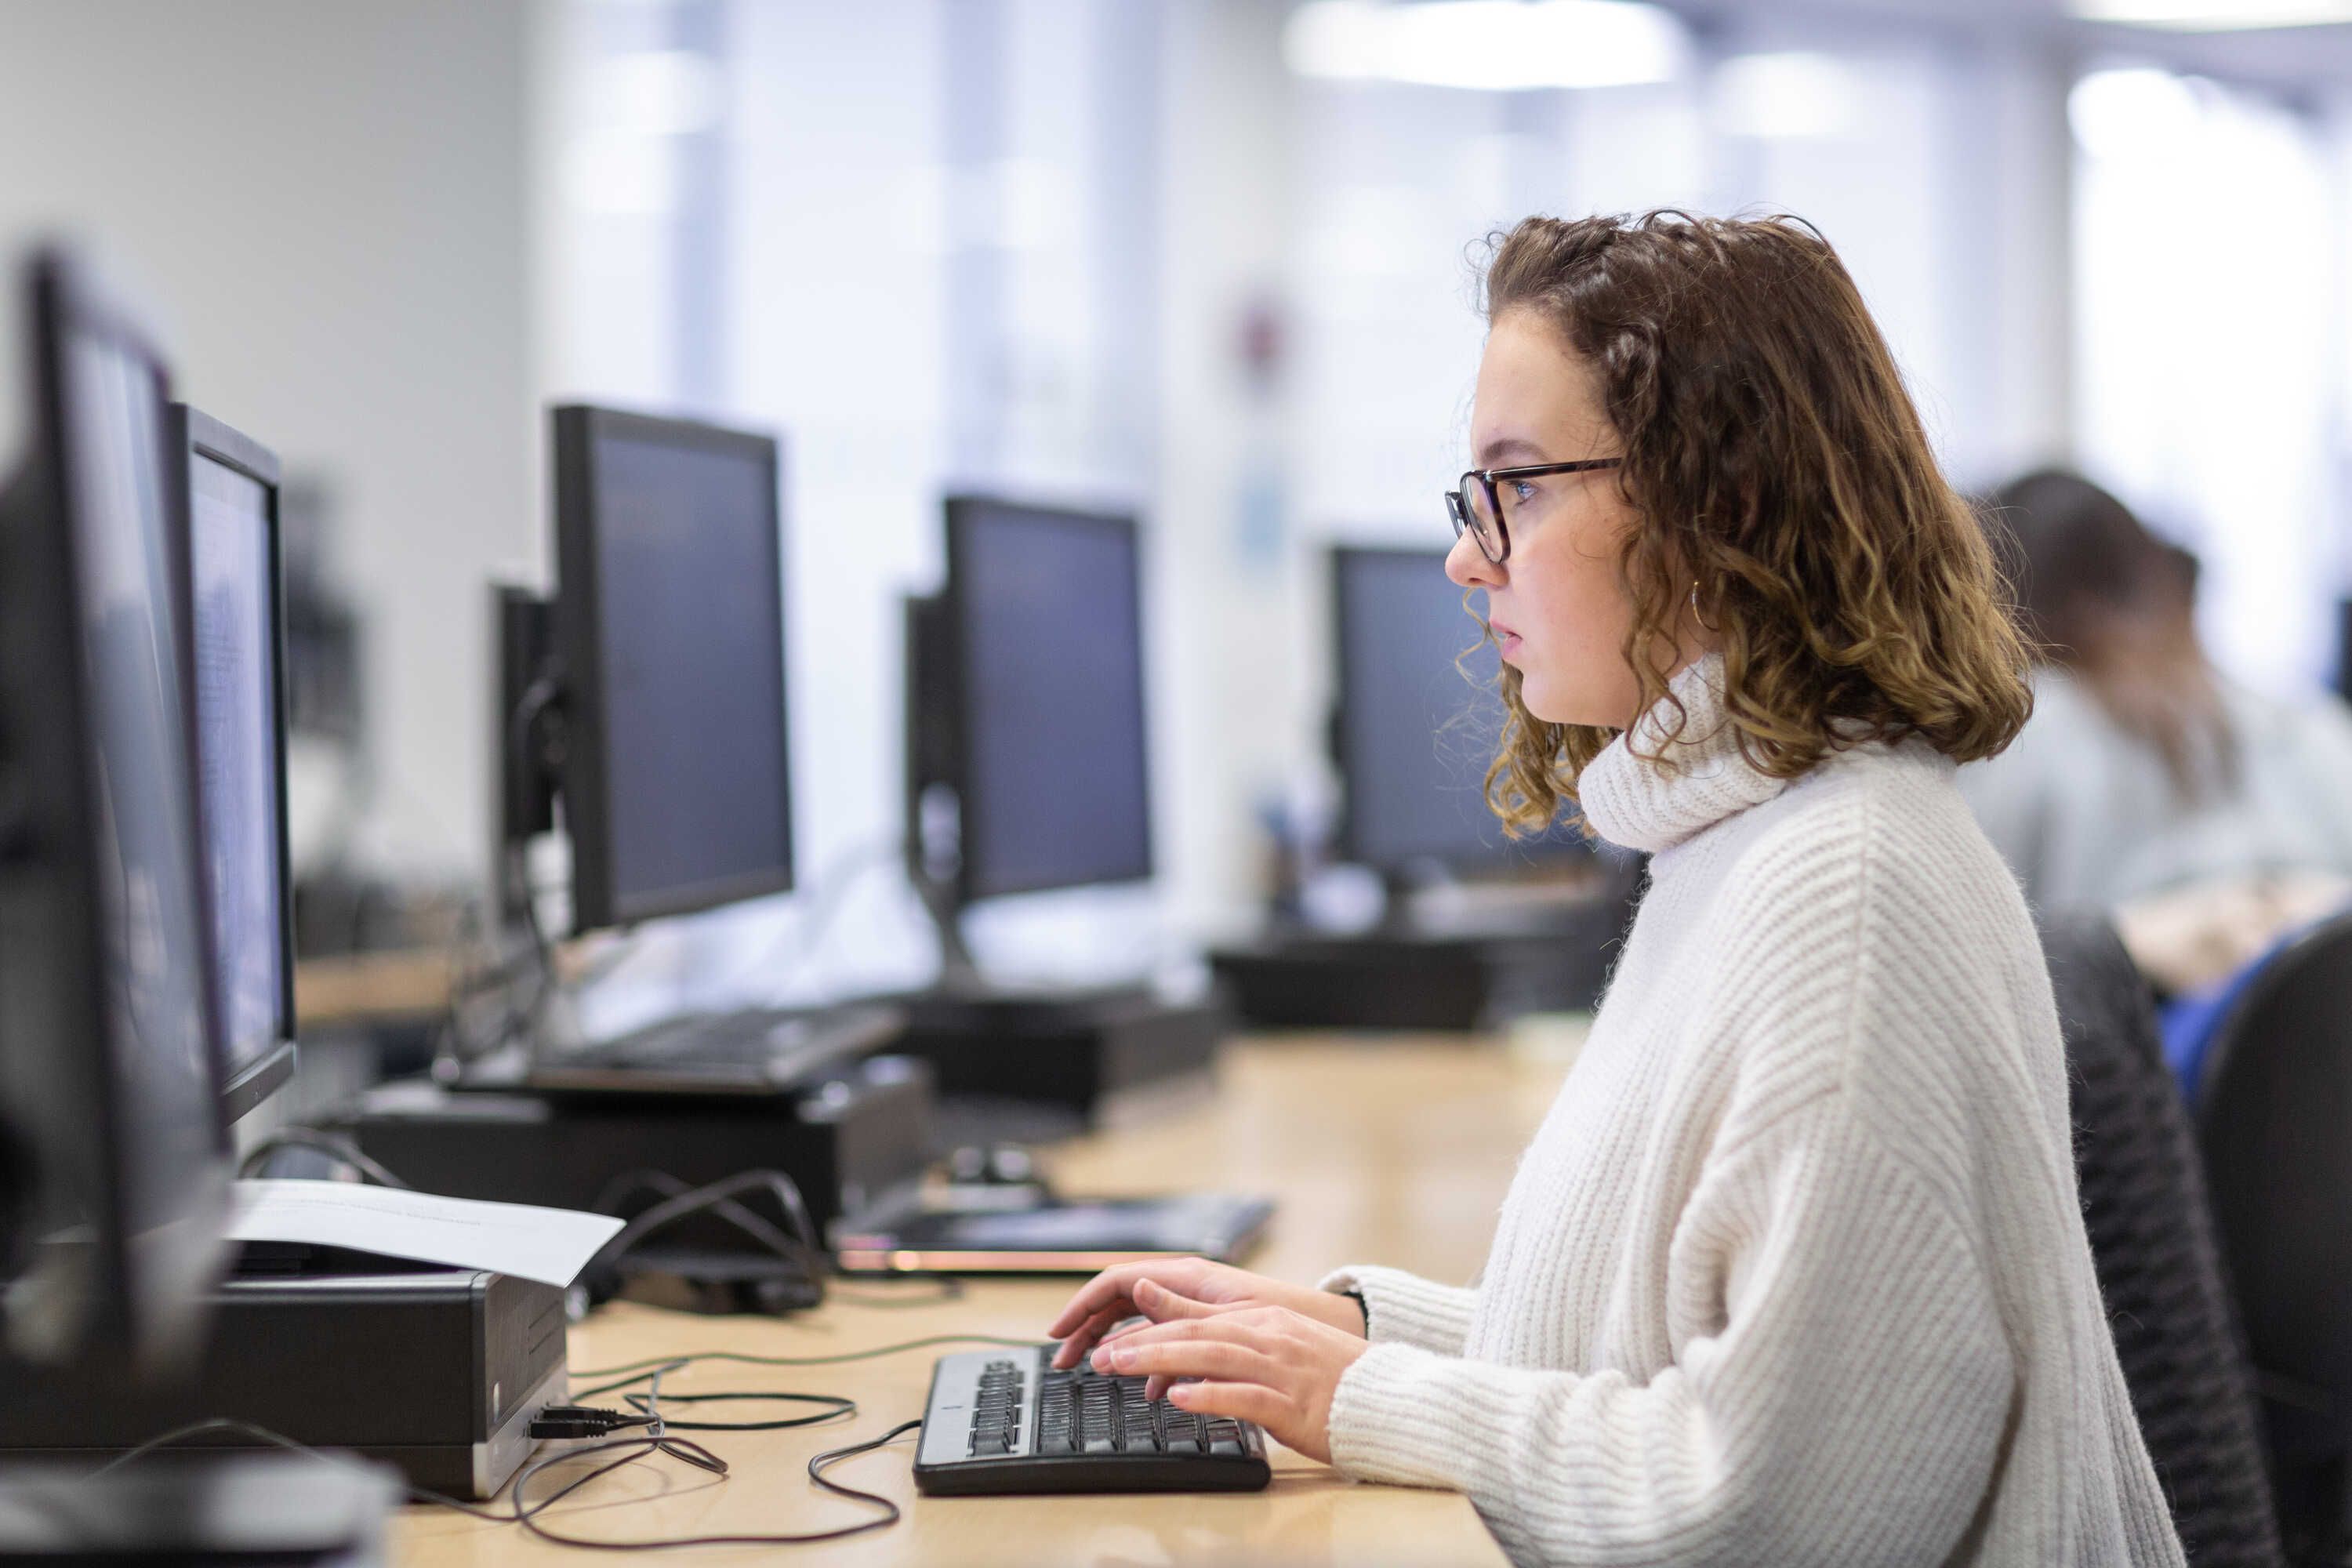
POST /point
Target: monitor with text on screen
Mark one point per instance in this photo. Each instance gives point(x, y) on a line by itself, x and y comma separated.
point(235, 626)
point(1417, 718)
point(670, 627)
point(1045, 621)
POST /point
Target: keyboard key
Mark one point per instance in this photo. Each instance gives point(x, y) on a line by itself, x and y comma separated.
point(1184, 1433)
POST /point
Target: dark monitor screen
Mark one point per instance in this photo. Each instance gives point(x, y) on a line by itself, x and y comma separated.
point(1418, 717)
point(1047, 608)
point(677, 788)
point(110, 1040)
point(234, 631)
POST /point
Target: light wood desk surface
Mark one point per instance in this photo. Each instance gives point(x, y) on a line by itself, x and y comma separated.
point(1394, 1151)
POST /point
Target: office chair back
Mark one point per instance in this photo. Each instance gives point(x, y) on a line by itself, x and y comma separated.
point(2153, 1244)
point(2275, 1119)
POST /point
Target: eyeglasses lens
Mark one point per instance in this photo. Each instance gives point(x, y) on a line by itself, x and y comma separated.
point(1475, 504)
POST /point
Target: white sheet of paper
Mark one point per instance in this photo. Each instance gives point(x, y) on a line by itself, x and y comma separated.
point(549, 1244)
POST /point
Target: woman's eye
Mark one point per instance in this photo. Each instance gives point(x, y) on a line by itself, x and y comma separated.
point(1522, 490)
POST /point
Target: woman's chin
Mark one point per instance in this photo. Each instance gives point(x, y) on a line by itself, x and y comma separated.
point(1554, 707)
point(1541, 701)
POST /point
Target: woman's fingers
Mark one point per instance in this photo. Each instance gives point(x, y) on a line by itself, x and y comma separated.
point(1161, 1304)
point(1246, 1324)
point(1207, 1347)
point(1243, 1401)
point(1110, 1285)
point(1202, 1358)
point(1114, 1288)
point(1092, 1332)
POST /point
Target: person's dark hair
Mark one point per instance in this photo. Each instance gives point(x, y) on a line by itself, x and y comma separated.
point(2109, 602)
point(1772, 459)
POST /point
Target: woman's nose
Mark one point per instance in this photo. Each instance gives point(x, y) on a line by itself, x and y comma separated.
point(1469, 567)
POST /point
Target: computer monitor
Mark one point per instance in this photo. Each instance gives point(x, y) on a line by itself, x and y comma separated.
point(1416, 722)
point(676, 777)
point(110, 1132)
point(1026, 700)
point(227, 489)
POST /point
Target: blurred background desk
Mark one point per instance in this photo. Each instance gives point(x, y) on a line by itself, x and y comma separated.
point(1395, 1149)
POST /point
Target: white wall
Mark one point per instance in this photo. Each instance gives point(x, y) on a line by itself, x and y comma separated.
point(1226, 532)
point(325, 204)
point(2211, 383)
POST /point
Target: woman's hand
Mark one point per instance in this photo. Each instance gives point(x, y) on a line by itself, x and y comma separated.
point(1162, 1288)
point(1268, 1364)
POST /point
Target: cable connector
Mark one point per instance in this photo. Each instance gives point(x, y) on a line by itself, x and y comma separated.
point(566, 1421)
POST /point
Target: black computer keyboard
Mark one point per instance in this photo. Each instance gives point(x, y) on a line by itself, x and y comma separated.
point(1005, 1421)
point(757, 1051)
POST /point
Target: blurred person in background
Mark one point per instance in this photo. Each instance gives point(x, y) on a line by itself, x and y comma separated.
point(1795, 1269)
point(2205, 817)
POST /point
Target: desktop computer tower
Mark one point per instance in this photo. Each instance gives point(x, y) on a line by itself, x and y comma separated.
point(1404, 980)
point(1034, 1068)
point(860, 1136)
point(1445, 980)
point(438, 1372)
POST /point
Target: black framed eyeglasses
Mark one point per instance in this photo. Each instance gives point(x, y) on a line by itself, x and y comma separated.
point(1480, 508)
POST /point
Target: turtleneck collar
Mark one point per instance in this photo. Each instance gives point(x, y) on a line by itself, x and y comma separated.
point(1699, 779)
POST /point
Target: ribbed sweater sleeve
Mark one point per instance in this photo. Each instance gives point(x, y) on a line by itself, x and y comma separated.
point(1402, 1308)
point(1853, 1349)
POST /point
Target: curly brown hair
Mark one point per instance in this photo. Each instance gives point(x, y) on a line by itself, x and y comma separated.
point(1773, 459)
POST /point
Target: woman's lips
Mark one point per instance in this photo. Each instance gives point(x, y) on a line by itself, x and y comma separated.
point(1505, 639)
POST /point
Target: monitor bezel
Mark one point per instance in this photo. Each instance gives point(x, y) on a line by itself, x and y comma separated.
point(953, 628)
point(126, 1311)
point(1346, 701)
point(194, 434)
point(575, 431)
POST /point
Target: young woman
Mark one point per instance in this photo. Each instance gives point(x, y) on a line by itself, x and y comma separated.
point(1795, 1269)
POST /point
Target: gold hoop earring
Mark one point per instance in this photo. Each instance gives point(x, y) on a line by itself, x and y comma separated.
point(1695, 612)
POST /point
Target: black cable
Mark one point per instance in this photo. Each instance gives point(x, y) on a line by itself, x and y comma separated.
point(658, 1439)
point(837, 1408)
point(526, 1514)
point(833, 1456)
point(636, 1371)
point(631, 1449)
point(802, 1249)
point(333, 1146)
point(609, 1200)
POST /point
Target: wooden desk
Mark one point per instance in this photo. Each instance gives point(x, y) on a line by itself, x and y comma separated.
point(1394, 1152)
point(362, 988)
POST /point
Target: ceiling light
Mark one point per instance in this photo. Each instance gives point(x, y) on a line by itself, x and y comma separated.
point(2213, 15)
point(2141, 113)
point(1785, 96)
point(1495, 45)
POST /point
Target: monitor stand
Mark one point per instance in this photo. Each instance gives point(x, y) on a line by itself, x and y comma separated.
point(1034, 1065)
point(1407, 975)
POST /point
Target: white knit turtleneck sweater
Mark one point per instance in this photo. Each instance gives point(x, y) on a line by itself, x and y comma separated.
point(1794, 1271)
